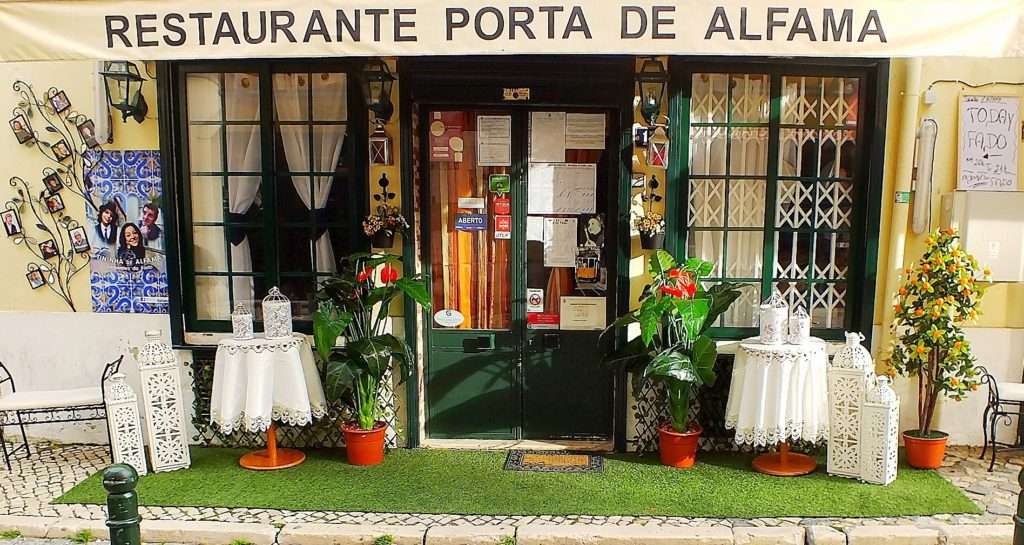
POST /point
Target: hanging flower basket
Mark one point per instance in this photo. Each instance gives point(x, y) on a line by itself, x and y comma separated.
point(385, 238)
point(652, 241)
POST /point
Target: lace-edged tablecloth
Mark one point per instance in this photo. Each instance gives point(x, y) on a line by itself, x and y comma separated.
point(779, 393)
point(262, 380)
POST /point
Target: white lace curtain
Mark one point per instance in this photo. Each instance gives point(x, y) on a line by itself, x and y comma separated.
point(244, 155)
point(291, 102)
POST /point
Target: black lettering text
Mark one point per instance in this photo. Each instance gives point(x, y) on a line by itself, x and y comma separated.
point(376, 13)
point(872, 27)
point(282, 21)
point(743, 27)
point(802, 25)
point(522, 23)
point(120, 31)
point(836, 29)
point(400, 24)
point(773, 22)
point(225, 29)
point(249, 38)
point(348, 25)
point(317, 27)
point(201, 23)
point(624, 31)
point(551, 11)
point(577, 23)
point(657, 20)
point(141, 29)
point(451, 23)
point(174, 28)
point(719, 23)
point(499, 25)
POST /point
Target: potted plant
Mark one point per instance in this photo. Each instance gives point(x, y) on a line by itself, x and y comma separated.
point(386, 220)
point(938, 294)
point(673, 348)
point(651, 225)
point(355, 303)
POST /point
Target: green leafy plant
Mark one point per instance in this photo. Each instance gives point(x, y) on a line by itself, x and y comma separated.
point(355, 303)
point(10, 534)
point(508, 540)
point(674, 314)
point(241, 542)
point(384, 540)
point(83, 536)
point(939, 293)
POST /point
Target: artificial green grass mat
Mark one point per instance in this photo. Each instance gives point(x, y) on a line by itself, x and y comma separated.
point(473, 482)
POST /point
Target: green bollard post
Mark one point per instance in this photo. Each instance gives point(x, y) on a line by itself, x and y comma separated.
point(122, 504)
point(1018, 519)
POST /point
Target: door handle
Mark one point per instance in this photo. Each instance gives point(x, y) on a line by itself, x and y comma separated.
point(482, 343)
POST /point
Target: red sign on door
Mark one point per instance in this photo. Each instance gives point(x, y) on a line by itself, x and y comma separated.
point(542, 320)
point(502, 205)
point(503, 227)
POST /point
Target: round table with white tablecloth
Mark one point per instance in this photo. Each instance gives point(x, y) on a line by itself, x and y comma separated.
point(779, 393)
point(258, 382)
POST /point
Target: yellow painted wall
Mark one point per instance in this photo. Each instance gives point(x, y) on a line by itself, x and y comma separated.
point(1002, 303)
point(78, 80)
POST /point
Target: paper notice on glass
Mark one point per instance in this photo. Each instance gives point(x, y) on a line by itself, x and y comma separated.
point(559, 242)
point(562, 188)
point(494, 140)
point(582, 313)
point(535, 228)
point(584, 131)
point(547, 137)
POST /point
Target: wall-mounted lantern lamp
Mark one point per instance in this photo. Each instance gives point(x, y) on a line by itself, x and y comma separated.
point(651, 81)
point(377, 82)
point(921, 220)
point(124, 89)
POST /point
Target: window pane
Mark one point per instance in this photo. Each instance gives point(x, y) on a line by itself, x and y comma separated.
point(300, 291)
point(795, 294)
point(831, 255)
point(839, 164)
point(792, 254)
point(706, 245)
point(750, 102)
point(835, 205)
point(293, 192)
point(208, 249)
point(707, 150)
point(328, 141)
point(291, 97)
point(748, 151)
point(203, 92)
point(295, 250)
point(244, 198)
point(794, 204)
point(743, 311)
point(244, 150)
point(207, 198)
point(709, 97)
point(801, 100)
point(212, 298)
point(828, 305)
point(204, 148)
point(798, 152)
point(746, 203)
point(744, 253)
point(707, 203)
point(242, 96)
point(330, 97)
point(839, 104)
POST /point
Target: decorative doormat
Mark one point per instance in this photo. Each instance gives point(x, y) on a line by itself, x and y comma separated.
point(553, 462)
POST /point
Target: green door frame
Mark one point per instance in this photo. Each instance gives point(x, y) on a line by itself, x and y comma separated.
point(591, 81)
point(871, 156)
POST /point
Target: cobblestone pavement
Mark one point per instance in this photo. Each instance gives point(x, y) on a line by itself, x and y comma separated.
point(54, 469)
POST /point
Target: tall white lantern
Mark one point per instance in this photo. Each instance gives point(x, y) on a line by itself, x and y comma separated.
point(773, 315)
point(277, 315)
point(879, 433)
point(165, 408)
point(799, 327)
point(241, 323)
point(124, 424)
point(849, 374)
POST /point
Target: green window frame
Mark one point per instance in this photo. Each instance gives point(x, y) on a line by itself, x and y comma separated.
point(278, 216)
point(796, 240)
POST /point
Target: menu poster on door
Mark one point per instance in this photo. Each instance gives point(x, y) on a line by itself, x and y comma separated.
point(503, 227)
point(446, 141)
point(494, 140)
point(584, 131)
point(562, 188)
point(535, 228)
point(547, 137)
point(989, 142)
point(582, 313)
point(559, 242)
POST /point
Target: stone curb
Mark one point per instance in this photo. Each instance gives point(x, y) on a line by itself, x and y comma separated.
point(206, 532)
point(583, 534)
point(468, 535)
point(892, 535)
point(981, 534)
point(28, 526)
point(69, 527)
point(790, 535)
point(348, 534)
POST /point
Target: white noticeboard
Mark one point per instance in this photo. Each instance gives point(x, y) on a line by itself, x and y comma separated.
point(547, 136)
point(494, 140)
point(989, 143)
point(562, 188)
point(582, 313)
point(584, 131)
point(559, 242)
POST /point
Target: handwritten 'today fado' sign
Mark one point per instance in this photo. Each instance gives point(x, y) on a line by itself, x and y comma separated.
point(989, 142)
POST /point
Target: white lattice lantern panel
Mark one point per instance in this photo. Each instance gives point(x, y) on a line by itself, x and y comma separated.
point(799, 327)
point(165, 408)
point(241, 323)
point(879, 433)
point(277, 315)
point(124, 424)
point(773, 315)
point(849, 374)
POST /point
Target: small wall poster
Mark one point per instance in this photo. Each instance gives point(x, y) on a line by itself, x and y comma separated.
point(584, 131)
point(446, 136)
point(494, 140)
point(562, 188)
point(541, 320)
point(502, 205)
point(499, 183)
point(559, 242)
point(503, 227)
point(583, 313)
point(470, 222)
point(989, 142)
point(534, 300)
point(547, 137)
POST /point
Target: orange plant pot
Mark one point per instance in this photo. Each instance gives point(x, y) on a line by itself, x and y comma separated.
point(924, 453)
point(678, 449)
point(364, 447)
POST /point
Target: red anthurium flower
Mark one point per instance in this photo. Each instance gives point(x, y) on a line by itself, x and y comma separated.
point(674, 273)
point(673, 291)
point(388, 274)
point(688, 284)
point(365, 275)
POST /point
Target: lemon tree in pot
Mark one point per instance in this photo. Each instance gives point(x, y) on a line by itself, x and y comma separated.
point(938, 294)
point(673, 347)
point(355, 303)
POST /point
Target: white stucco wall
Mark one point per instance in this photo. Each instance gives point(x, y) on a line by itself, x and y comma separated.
point(59, 350)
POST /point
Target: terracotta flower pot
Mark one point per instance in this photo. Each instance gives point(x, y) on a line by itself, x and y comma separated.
point(652, 241)
point(925, 453)
point(678, 449)
point(364, 447)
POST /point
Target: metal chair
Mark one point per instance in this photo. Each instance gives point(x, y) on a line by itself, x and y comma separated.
point(1005, 400)
point(51, 407)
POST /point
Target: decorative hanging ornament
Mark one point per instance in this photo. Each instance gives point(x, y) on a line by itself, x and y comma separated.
point(241, 323)
point(799, 327)
point(380, 146)
point(125, 425)
point(657, 148)
point(773, 314)
point(277, 315)
point(165, 407)
point(849, 375)
point(878, 431)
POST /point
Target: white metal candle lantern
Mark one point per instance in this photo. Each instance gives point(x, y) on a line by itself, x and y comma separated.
point(879, 425)
point(241, 323)
point(773, 314)
point(165, 408)
point(124, 424)
point(277, 315)
point(849, 374)
point(799, 327)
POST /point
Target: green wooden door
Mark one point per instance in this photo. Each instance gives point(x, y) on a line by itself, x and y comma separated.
point(522, 269)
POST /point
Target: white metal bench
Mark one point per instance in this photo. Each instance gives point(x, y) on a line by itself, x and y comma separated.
point(50, 407)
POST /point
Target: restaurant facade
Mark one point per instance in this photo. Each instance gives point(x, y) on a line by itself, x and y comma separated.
point(521, 141)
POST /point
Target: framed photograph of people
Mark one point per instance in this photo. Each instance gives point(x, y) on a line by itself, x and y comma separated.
point(60, 102)
point(54, 203)
point(88, 132)
point(53, 183)
point(19, 125)
point(61, 150)
point(48, 248)
point(12, 223)
point(79, 240)
point(35, 278)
